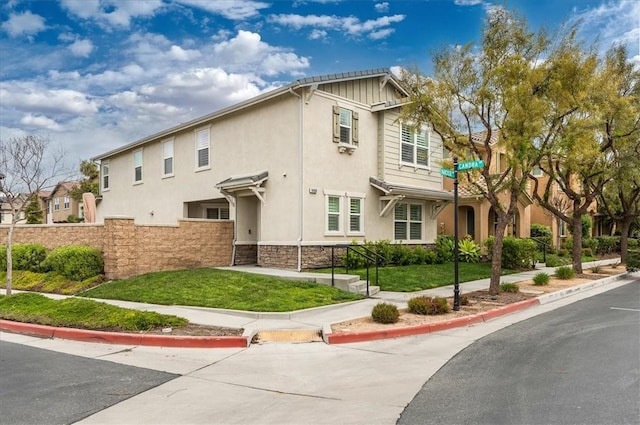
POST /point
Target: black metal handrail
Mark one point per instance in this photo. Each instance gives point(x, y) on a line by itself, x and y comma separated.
point(375, 258)
point(544, 247)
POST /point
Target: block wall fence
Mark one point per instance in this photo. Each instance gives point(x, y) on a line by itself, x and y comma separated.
point(130, 249)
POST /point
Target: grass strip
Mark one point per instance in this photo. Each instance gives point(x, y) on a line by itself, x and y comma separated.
point(82, 314)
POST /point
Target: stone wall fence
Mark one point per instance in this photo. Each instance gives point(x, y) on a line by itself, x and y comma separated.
point(129, 249)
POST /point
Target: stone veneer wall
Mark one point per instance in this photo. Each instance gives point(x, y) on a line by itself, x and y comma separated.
point(129, 249)
point(246, 254)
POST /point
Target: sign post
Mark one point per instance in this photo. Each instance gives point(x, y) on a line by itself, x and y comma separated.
point(453, 174)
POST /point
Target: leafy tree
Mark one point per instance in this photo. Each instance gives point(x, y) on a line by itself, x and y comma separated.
point(583, 160)
point(32, 211)
point(511, 97)
point(620, 125)
point(27, 165)
point(90, 181)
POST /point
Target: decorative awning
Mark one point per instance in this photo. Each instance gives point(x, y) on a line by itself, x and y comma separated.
point(244, 185)
point(395, 192)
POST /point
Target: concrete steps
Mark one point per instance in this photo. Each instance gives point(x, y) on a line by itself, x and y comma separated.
point(349, 283)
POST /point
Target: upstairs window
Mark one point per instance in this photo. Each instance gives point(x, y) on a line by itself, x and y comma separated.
point(202, 148)
point(56, 204)
point(66, 202)
point(105, 176)
point(137, 166)
point(414, 147)
point(345, 126)
point(167, 158)
point(407, 222)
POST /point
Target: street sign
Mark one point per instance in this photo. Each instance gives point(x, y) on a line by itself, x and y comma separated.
point(448, 173)
point(468, 165)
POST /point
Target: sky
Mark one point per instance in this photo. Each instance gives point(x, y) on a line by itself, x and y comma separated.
point(94, 75)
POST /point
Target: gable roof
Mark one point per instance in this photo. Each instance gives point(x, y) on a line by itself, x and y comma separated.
point(300, 83)
point(68, 186)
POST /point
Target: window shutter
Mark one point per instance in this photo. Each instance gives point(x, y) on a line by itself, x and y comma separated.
point(354, 129)
point(336, 124)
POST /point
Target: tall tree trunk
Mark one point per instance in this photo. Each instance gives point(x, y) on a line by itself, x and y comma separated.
point(9, 259)
point(624, 239)
point(496, 259)
point(577, 241)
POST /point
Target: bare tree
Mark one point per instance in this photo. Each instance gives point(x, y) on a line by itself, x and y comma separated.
point(27, 165)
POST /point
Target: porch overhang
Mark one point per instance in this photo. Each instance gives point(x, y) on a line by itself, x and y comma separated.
point(244, 185)
point(392, 193)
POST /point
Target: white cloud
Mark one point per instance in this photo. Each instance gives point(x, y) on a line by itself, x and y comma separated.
point(40, 121)
point(23, 24)
point(468, 2)
point(614, 23)
point(111, 13)
point(180, 54)
point(82, 48)
point(382, 7)
point(318, 34)
point(230, 9)
point(373, 28)
point(29, 97)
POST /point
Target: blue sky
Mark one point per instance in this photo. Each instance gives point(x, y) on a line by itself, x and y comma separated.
point(93, 75)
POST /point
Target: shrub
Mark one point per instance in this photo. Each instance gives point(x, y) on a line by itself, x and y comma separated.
point(464, 300)
point(418, 255)
point(428, 305)
point(469, 251)
point(509, 287)
point(542, 233)
point(431, 257)
point(596, 269)
point(25, 257)
point(555, 261)
point(607, 244)
point(631, 243)
point(591, 243)
point(563, 252)
point(565, 272)
point(541, 279)
point(516, 252)
point(353, 261)
point(444, 248)
point(401, 255)
point(633, 260)
point(383, 248)
point(587, 252)
point(385, 313)
point(75, 262)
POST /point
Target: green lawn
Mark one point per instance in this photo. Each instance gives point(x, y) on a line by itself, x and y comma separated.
point(82, 314)
point(221, 289)
point(418, 277)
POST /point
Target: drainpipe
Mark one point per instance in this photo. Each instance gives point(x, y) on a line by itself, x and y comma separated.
point(300, 182)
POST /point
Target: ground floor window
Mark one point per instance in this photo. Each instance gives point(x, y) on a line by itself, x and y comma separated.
point(219, 213)
point(407, 223)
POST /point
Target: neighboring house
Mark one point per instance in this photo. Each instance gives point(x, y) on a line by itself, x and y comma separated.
point(62, 205)
point(322, 161)
point(476, 216)
point(6, 213)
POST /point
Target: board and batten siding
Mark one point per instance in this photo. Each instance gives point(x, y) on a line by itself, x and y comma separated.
point(394, 171)
point(364, 91)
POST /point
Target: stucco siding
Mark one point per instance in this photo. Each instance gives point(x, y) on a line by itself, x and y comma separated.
point(364, 91)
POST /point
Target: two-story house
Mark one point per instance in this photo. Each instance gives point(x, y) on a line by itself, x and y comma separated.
point(61, 205)
point(322, 161)
point(476, 216)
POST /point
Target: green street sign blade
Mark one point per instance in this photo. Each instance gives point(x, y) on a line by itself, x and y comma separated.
point(448, 173)
point(468, 165)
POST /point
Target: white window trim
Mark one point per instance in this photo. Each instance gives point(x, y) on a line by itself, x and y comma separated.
point(173, 160)
point(136, 182)
point(414, 133)
point(340, 196)
point(66, 202)
point(105, 189)
point(409, 221)
point(195, 135)
point(361, 197)
point(56, 203)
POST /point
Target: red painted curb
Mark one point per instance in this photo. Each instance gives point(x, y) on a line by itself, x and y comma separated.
point(347, 337)
point(126, 338)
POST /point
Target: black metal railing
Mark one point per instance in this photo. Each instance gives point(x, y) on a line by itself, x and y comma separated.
point(544, 245)
point(371, 257)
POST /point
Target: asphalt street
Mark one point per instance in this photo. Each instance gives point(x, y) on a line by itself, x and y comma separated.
point(45, 387)
point(579, 364)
